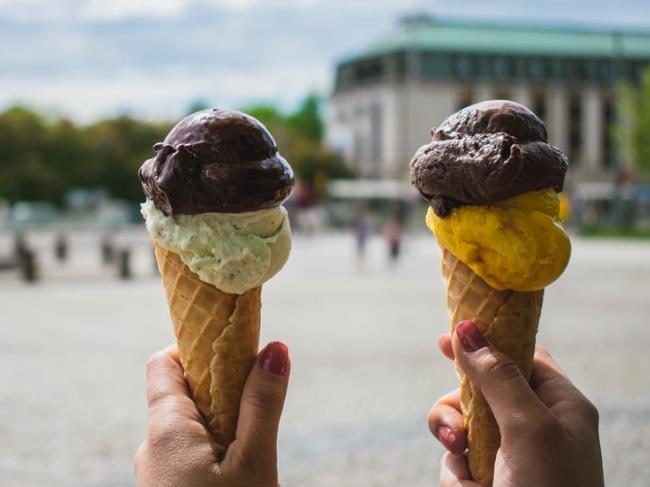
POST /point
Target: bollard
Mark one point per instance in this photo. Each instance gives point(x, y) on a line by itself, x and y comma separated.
point(107, 251)
point(20, 245)
point(28, 267)
point(61, 248)
point(124, 264)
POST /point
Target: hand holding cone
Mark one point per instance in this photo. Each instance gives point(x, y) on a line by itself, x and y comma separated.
point(214, 190)
point(492, 182)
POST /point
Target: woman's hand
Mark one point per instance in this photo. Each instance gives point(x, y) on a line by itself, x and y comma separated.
point(549, 430)
point(179, 451)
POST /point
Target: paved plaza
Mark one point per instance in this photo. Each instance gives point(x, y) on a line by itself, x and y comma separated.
point(365, 365)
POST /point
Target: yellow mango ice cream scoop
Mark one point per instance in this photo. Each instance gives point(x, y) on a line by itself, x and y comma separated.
point(493, 184)
point(516, 244)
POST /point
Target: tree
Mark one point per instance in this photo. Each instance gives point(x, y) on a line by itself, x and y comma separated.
point(273, 120)
point(639, 131)
point(316, 166)
point(197, 105)
point(41, 159)
point(23, 172)
point(299, 136)
point(307, 121)
point(115, 149)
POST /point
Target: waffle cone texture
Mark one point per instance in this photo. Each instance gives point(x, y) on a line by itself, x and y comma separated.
point(217, 335)
point(509, 321)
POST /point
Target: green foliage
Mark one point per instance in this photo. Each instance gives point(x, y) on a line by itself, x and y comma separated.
point(640, 130)
point(41, 159)
point(299, 136)
point(315, 166)
point(197, 105)
point(307, 121)
point(115, 149)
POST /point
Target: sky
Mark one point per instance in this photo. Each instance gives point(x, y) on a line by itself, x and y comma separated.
point(87, 59)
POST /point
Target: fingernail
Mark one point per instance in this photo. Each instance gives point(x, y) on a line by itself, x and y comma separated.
point(470, 336)
point(274, 358)
point(446, 436)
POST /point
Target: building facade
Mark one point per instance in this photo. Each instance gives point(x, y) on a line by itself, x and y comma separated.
point(388, 97)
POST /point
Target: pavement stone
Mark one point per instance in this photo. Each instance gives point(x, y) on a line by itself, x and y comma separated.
point(365, 364)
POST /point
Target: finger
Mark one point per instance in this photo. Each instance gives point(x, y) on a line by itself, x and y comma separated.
point(261, 407)
point(139, 457)
point(558, 393)
point(447, 424)
point(454, 472)
point(513, 402)
point(542, 354)
point(166, 386)
point(444, 344)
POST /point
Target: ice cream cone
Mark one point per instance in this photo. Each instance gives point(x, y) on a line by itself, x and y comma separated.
point(218, 337)
point(509, 320)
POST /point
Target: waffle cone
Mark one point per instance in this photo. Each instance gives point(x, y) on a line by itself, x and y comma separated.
point(217, 335)
point(509, 320)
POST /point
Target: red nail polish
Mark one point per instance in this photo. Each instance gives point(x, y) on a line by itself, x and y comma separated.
point(274, 358)
point(470, 336)
point(446, 436)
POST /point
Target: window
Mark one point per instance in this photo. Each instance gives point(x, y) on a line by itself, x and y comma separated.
point(576, 69)
point(538, 68)
point(434, 65)
point(503, 68)
point(370, 70)
point(605, 71)
point(465, 67)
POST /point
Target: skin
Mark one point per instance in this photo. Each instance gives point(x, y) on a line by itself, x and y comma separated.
point(179, 451)
point(549, 428)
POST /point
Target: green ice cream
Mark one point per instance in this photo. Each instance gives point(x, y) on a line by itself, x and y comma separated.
point(234, 252)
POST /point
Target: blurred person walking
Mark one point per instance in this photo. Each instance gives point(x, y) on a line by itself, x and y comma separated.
point(393, 234)
point(361, 232)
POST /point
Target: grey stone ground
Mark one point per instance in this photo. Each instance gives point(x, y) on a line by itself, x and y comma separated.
point(365, 365)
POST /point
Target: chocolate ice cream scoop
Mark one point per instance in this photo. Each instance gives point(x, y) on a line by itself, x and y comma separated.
point(216, 161)
point(484, 153)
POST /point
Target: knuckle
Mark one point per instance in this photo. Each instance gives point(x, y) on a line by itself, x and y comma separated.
point(161, 434)
point(591, 412)
point(139, 456)
point(157, 397)
point(500, 368)
point(154, 359)
point(542, 353)
point(264, 399)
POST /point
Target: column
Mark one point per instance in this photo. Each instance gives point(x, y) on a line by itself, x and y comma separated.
point(592, 129)
point(484, 91)
point(521, 94)
point(557, 117)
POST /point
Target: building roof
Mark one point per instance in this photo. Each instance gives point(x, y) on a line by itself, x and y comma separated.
point(427, 34)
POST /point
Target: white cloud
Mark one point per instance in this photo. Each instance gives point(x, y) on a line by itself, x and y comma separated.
point(95, 57)
point(166, 94)
point(119, 9)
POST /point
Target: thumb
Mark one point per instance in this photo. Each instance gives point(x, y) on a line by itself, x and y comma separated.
point(510, 397)
point(261, 405)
